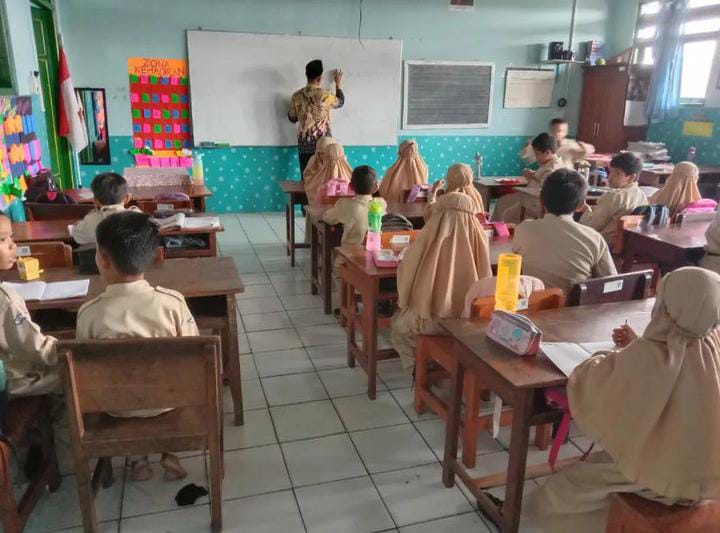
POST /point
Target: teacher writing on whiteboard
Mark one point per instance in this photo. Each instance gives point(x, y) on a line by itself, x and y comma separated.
point(310, 109)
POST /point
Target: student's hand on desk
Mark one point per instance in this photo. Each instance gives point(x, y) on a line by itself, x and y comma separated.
point(529, 174)
point(623, 335)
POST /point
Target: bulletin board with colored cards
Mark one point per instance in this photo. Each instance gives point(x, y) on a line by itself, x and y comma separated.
point(159, 103)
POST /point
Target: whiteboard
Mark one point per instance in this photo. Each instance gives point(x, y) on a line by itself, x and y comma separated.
point(447, 94)
point(241, 84)
point(526, 88)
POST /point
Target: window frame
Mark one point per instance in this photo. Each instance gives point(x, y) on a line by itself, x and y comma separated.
point(695, 13)
point(7, 45)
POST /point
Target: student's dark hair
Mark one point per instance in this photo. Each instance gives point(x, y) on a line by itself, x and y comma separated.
point(129, 238)
point(364, 179)
point(563, 191)
point(556, 121)
point(628, 162)
point(109, 188)
point(544, 142)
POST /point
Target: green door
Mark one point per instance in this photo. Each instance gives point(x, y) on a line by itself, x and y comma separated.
point(47, 54)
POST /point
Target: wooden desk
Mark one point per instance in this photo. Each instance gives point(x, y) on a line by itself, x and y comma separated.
point(325, 237)
point(197, 193)
point(530, 198)
point(673, 246)
point(488, 187)
point(707, 183)
point(57, 230)
point(520, 382)
point(360, 275)
point(209, 284)
point(295, 195)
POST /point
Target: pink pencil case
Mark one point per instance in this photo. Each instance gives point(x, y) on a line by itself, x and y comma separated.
point(515, 332)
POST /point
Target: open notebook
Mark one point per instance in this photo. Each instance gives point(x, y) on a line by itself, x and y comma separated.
point(58, 290)
point(567, 355)
point(181, 221)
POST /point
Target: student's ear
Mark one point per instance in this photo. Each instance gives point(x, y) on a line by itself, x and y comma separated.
point(581, 206)
point(127, 199)
point(102, 260)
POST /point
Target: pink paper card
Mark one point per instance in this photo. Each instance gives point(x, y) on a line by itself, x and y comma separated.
point(134, 97)
point(144, 79)
point(155, 161)
point(28, 157)
point(156, 114)
point(165, 99)
point(173, 80)
point(147, 128)
point(186, 162)
point(164, 161)
point(176, 128)
point(138, 142)
point(158, 144)
point(174, 162)
point(142, 160)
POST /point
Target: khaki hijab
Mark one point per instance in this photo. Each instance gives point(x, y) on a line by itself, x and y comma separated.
point(655, 405)
point(680, 189)
point(316, 160)
point(409, 169)
point(450, 255)
point(460, 179)
point(712, 234)
point(334, 166)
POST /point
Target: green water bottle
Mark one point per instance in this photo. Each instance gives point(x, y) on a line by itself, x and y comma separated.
point(375, 214)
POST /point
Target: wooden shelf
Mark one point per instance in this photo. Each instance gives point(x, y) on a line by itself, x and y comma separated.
point(561, 62)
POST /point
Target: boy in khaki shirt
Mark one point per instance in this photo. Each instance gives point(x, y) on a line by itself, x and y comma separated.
point(131, 307)
point(569, 150)
point(508, 207)
point(625, 169)
point(557, 249)
point(110, 192)
point(28, 356)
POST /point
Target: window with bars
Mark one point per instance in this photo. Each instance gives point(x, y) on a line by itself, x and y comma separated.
point(6, 72)
point(701, 33)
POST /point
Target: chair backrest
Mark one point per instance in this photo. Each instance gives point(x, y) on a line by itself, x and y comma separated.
point(538, 301)
point(152, 206)
point(386, 236)
point(618, 288)
point(73, 212)
point(52, 254)
point(331, 200)
point(623, 223)
point(140, 373)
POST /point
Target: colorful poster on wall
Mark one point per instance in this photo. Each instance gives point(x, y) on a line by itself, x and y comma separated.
point(20, 151)
point(159, 103)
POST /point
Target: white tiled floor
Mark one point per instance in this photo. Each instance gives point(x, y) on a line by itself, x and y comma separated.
point(315, 455)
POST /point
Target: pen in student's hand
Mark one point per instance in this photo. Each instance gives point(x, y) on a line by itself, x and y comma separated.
point(626, 322)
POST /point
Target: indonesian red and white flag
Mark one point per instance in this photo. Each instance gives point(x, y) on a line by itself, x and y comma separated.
point(71, 121)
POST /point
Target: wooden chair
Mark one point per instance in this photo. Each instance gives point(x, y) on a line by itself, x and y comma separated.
point(618, 288)
point(25, 414)
point(151, 206)
point(331, 200)
point(623, 223)
point(102, 376)
point(53, 254)
point(627, 222)
point(439, 350)
point(630, 513)
point(72, 212)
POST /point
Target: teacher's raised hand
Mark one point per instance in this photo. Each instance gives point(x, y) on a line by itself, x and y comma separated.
point(338, 77)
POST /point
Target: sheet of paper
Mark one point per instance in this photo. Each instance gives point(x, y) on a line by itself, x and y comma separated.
point(66, 289)
point(201, 222)
point(565, 355)
point(592, 347)
point(31, 290)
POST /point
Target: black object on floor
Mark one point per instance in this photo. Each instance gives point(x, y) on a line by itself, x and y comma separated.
point(189, 494)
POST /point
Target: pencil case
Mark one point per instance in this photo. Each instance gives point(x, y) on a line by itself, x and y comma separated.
point(515, 332)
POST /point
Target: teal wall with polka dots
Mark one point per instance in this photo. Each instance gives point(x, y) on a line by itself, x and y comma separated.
point(670, 132)
point(245, 179)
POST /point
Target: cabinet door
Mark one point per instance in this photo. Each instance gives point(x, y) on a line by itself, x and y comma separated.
point(592, 91)
point(610, 132)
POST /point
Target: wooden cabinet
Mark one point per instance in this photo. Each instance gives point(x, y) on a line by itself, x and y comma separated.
point(602, 108)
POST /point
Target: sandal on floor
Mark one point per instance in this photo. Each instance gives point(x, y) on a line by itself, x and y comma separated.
point(173, 468)
point(141, 470)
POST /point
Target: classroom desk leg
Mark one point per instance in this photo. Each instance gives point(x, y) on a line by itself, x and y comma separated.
point(314, 238)
point(519, 439)
point(291, 236)
point(201, 204)
point(326, 273)
point(628, 253)
point(287, 227)
point(452, 428)
point(350, 320)
point(370, 327)
point(233, 360)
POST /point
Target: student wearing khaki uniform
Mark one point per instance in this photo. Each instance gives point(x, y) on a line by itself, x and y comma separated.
point(110, 192)
point(557, 249)
point(569, 150)
point(438, 269)
point(508, 207)
point(459, 178)
point(28, 356)
point(131, 307)
point(625, 169)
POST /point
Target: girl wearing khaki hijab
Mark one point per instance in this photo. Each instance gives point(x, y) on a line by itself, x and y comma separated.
point(316, 161)
point(439, 268)
point(334, 166)
point(653, 406)
point(459, 179)
point(711, 261)
point(680, 189)
point(409, 170)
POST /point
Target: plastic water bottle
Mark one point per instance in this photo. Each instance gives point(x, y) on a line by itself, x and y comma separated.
point(508, 282)
point(375, 214)
point(478, 166)
point(692, 154)
point(198, 170)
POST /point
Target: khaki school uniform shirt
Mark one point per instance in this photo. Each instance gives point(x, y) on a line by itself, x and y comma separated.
point(562, 252)
point(545, 170)
point(136, 309)
point(570, 151)
point(83, 232)
point(610, 207)
point(28, 355)
point(352, 213)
